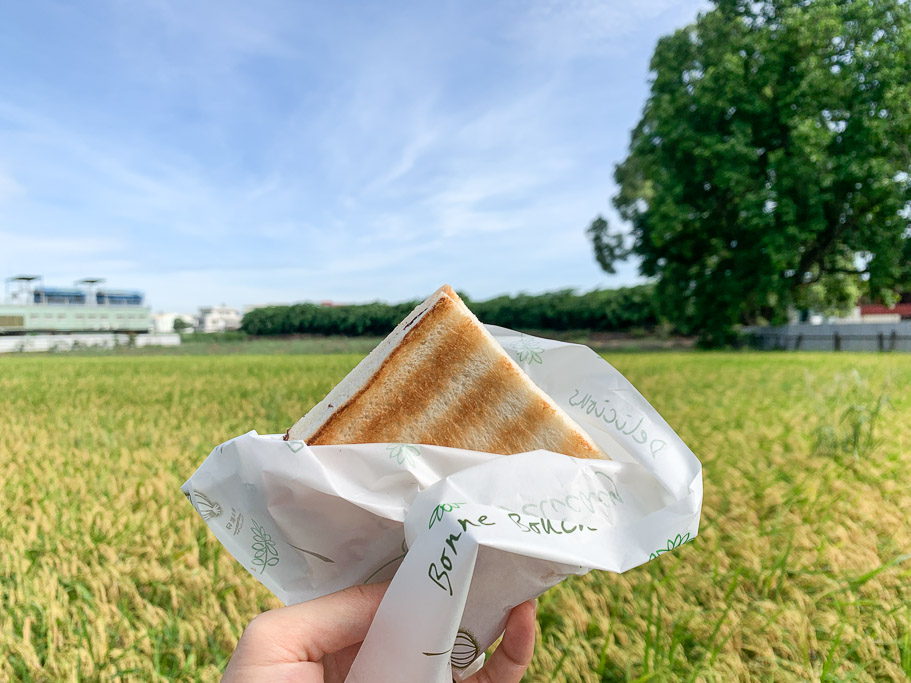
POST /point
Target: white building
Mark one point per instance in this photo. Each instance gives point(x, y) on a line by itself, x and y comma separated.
point(218, 319)
point(163, 323)
point(858, 314)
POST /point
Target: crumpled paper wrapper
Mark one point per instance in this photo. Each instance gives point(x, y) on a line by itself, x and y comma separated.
point(465, 536)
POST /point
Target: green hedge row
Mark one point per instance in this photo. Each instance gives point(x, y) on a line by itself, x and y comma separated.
point(373, 319)
point(601, 310)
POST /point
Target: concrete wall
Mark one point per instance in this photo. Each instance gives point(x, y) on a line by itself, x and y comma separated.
point(892, 336)
point(66, 342)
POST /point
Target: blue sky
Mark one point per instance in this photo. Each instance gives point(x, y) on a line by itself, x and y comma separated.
point(221, 151)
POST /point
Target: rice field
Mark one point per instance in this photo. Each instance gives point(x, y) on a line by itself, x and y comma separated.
point(802, 569)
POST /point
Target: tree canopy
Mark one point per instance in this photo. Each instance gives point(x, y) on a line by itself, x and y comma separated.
point(771, 164)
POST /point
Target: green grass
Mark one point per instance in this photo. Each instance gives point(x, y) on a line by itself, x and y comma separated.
point(801, 570)
point(234, 343)
point(240, 343)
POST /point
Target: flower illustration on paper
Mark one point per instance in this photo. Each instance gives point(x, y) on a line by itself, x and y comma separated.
point(672, 543)
point(404, 453)
point(264, 551)
point(528, 350)
point(205, 506)
point(465, 650)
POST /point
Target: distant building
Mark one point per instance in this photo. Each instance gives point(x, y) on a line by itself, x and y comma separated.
point(863, 312)
point(164, 322)
point(901, 310)
point(87, 306)
point(218, 319)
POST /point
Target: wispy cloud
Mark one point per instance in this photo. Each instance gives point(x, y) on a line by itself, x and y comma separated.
point(31, 245)
point(408, 156)
point(566, 29)
point(9, 186)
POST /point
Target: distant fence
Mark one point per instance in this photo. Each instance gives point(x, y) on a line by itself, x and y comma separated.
point(69, 342)
point(833, 337)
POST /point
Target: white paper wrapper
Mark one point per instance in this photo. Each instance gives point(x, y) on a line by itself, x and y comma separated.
point(483, 532)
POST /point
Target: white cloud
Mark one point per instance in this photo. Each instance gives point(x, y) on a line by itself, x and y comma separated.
point(126, 188)
point(566, 29)
point(409, 155)
point(30, 245)
point(211, 37)
point(9, 186)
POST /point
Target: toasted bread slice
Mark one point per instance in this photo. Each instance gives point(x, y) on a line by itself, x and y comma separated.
point(440, 378)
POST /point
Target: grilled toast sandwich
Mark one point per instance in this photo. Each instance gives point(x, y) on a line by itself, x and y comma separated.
point(440, 378)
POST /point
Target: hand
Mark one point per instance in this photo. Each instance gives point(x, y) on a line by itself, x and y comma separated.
point(316, 641)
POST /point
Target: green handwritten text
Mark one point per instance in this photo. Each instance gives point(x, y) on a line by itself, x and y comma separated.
point(547, 527)
point(621, 423)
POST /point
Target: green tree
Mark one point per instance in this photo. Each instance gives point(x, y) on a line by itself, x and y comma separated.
point(771, 164)
point(609, 247)
point(180, 325)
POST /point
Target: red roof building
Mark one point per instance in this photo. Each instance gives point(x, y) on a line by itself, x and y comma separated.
point(904, 310)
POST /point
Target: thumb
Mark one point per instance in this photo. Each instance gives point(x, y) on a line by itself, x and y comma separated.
point(310, 630)
point(511, 659)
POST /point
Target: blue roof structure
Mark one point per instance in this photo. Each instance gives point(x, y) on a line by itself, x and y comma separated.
point(120, 292)
point(59, 291)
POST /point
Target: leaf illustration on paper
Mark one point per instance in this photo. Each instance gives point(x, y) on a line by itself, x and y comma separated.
point(404, 453)
point(205, 506)
point(672, 543)
point(528, 350)
point(264, 552)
